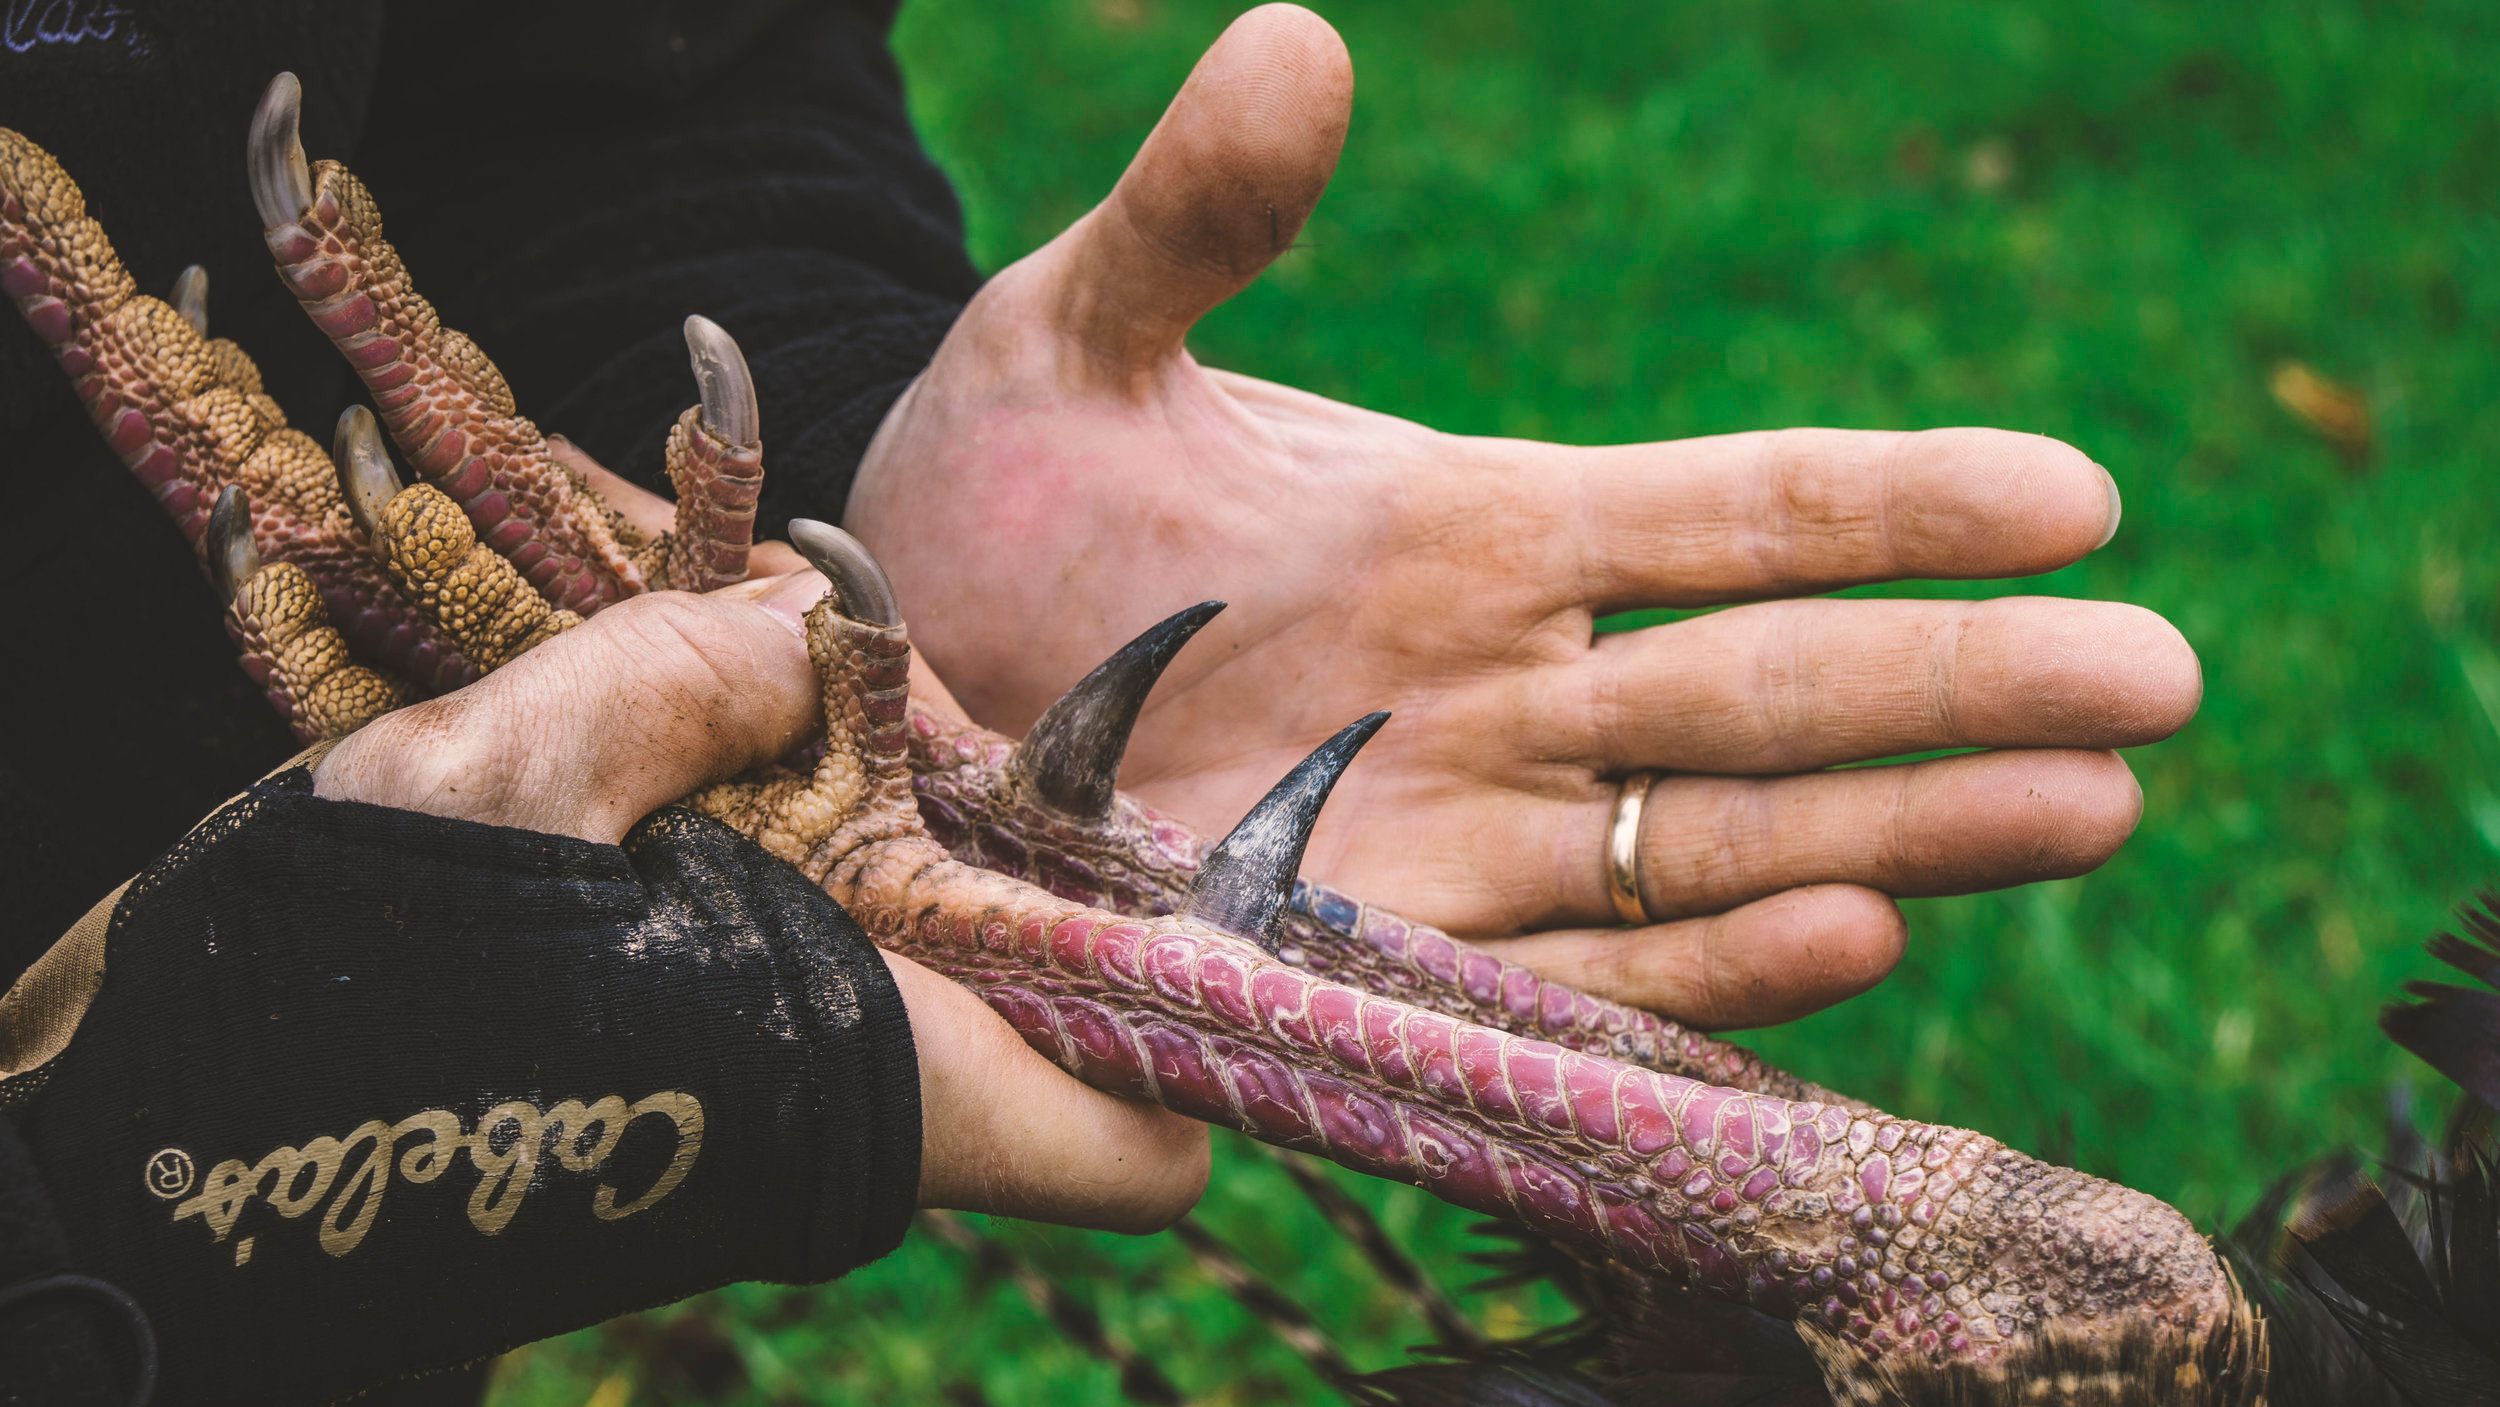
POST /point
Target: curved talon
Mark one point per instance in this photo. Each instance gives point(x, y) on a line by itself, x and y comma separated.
point(366, 476)
point(864, 593)
point(190, 297)
point(1242, 887)
point(232, 555)
point(188, 415)
point(1138, 861)
point(1070, 758)
point(446, 406)
point(281, 177)
point(722, 379)
point(716, 464)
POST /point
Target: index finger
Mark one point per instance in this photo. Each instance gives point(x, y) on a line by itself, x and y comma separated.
point(641, 705)
point(1744, 517)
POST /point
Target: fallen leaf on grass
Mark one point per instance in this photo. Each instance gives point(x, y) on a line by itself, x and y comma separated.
point(2333, 411)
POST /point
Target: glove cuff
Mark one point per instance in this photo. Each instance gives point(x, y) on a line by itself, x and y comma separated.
point(364, 1092)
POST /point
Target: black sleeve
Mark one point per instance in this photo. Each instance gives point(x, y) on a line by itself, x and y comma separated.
point(146, 104)
point(569, 181)
point(66, 1339)
point(365, 1093)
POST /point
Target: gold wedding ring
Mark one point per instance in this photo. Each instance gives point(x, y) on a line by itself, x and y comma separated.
point(1623, 850)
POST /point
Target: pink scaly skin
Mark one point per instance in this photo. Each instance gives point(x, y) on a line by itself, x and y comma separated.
point(1903, 1240)
point(1908, 1242)
point(1140, 861)
point(444, 403)
point(717, 482)
point(453, 415)
point(187, 415)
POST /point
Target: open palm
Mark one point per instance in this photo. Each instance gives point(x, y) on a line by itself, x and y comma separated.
point(1095, 477)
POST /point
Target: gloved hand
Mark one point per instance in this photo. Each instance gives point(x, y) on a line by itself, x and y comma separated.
point(343, 1091)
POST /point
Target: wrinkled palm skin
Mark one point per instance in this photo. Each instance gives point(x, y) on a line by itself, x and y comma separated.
point(1909, 1252)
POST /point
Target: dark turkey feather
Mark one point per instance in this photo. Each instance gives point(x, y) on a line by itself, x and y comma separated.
point(2371, 1274)
point(2314, 1360)
point(2455, 1029)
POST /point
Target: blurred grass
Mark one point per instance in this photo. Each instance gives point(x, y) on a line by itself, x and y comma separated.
point(1619, 220)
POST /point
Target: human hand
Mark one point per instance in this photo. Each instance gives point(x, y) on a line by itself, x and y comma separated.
point(585, 740)
point(662, 694)
point(1371, 562)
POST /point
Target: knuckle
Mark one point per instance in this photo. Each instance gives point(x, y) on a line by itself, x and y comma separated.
point(1949, 649)
point(1638, 972)
point(1611, 706)
point(1718, 994)
point(1774, 711)
point(1902, 846)
point(1789, 479)
point(683, 648)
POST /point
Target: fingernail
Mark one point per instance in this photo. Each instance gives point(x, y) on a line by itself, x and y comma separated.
point(2117, 509)
point(792, 597)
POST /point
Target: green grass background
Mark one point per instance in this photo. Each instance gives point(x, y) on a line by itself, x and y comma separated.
point(1621, 220)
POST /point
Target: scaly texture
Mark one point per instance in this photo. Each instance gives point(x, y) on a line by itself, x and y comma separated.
point(278, 622)
point(1919, 1252)
point(433, 553)
point(1139, 861)
point(187, 415)
point(717, 483)
point(1906, 1242)
point(447, 406)
point(1892, 1234)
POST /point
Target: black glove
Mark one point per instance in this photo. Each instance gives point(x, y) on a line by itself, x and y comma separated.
point(364, 1092)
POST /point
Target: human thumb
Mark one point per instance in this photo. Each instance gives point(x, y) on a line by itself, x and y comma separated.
point(1218, 191)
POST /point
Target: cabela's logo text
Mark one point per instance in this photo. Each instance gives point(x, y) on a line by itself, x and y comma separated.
point(351, 1174)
